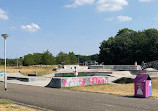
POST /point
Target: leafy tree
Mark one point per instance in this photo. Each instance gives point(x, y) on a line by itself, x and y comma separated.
point(73, 58)
point(63, 58)
point(48, 58)
point(28, 60)
point(94, 57)
point(83, 58)
point(129, 46)
point(1, 61)
point(11, 62)
point(37, 58)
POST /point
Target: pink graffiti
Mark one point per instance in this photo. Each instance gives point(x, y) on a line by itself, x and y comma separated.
point(97, 80)
point(74, 82)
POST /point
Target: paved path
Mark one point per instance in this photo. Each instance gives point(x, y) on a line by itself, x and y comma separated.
point(66, 100)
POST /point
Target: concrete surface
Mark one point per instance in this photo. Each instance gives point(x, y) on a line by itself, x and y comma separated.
point(47, 78)
point(112, 77)
point(67, 100)
point(38, 81)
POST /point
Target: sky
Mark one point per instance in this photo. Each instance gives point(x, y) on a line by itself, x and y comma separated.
point(77, 26)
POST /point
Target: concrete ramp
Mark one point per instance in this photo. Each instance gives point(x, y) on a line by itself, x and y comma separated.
point(59, 82)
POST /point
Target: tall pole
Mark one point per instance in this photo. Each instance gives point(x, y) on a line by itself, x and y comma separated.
point(17, 62)
point(5, 76)
point(78, 60)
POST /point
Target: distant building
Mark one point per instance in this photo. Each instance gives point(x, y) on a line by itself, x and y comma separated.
point(87, 63)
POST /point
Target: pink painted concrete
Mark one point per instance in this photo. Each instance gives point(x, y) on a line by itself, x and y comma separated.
point(68, 82)
point(98, 80)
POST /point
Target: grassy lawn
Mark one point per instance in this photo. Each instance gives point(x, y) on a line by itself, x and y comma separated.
point(41, 70)
point(116, 89)
point(8, 106)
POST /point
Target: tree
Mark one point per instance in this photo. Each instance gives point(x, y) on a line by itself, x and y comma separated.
point(37, 58)
point(94, 57)
point(129, 46)
point(84, 58)
point(48, 58)
point(11, 62)
point(73, 58)
point(28, 60)
point(1, 61)
point(63, 58)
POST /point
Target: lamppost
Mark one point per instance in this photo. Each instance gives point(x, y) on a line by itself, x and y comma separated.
point(18, 65)
point(78, 60)
point(5, 77)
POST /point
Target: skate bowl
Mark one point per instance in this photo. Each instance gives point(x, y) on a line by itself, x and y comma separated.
point(59, 82)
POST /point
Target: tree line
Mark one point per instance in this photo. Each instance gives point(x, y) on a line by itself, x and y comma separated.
point(47, 58)
point(128, 46)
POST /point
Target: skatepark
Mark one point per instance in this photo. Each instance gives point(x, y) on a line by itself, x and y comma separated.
point(33, 91)
point(106, 74)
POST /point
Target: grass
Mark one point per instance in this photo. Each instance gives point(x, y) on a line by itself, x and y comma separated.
point(116, 89)
point(155, 87)
point(8, 106)
point(40, 70)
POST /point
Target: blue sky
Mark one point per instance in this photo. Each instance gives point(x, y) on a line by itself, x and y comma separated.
point(69, 25)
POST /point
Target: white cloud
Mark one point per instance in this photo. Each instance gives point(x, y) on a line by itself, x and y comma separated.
point(30, 28)
point(145, 0)
point(111, 5)
point(80, 3)
point(124, 18)
point(3, 15)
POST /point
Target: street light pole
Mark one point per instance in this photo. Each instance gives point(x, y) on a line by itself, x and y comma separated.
point(5, 76)
point(17, 63)
point(78, 60)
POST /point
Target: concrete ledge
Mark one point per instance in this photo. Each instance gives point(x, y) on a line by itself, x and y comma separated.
point(25, 79)
point(83, 74)
point(116, 67)
point(58, 82)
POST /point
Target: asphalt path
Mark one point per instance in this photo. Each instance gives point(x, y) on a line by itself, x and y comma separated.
point(67, 100)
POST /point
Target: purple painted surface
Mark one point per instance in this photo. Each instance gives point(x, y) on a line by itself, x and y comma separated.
point(141, 78)
point(142, 84)
point(147, 89)
point(140, 89)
